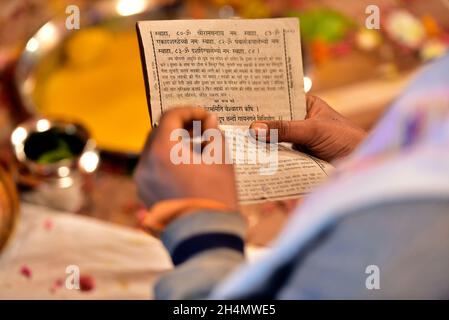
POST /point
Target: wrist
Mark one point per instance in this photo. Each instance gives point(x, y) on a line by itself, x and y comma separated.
point(204, 231)
point(160, 215)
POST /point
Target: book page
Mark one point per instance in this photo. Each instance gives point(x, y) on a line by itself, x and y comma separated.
point(241, 70)
point(271, 171)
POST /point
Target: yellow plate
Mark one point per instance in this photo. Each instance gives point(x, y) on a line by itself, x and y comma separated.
point(95, 78)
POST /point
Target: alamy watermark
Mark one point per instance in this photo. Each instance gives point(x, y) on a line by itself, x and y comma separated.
point(72, 22)
point(72, 281)
point(372, 282)
point(231, 145)
point(372, 21)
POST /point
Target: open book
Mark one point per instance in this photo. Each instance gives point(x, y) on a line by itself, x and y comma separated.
point(242, 71)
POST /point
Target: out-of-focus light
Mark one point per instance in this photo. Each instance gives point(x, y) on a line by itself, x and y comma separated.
point(47, 32)
point(307, 84)
point(405, 28)
point(42, 125)
point(65, 182)
point(368, 39)
point(28, 85)
point(18, 136)
point(130, 7)
point(63, 171)
point(226, 12)
point(45, 37)
point(32, 45)
point(89, 161)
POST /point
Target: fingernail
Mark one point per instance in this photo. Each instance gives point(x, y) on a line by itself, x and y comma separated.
point(259, 130)
point(259, 126)
point(213, 119)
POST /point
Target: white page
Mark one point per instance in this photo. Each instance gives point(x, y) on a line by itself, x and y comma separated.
point(276, 173)
point(242, 71)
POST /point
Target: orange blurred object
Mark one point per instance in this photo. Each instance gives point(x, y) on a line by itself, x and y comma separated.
point(320, 51)
point(9, 206)
point(431, 26)
point(102, 88)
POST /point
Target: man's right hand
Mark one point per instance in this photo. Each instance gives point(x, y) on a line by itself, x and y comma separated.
point(324, 133)
point(158, 178)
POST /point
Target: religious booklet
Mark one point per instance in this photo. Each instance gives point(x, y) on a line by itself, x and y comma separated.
point(242, 70)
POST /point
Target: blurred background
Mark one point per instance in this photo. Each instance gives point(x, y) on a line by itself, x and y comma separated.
point(84, 88)
point(74, 117)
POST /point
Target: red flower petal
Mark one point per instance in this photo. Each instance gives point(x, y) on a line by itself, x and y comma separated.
point(26, 271)
point(56, 285)
point(87, 283)
point(48, 224)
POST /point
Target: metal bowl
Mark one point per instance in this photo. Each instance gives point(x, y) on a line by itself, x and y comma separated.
point(54, 161)
point(52, 35)
point(85, 159)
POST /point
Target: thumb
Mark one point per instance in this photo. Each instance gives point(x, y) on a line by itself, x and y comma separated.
point(298, 132)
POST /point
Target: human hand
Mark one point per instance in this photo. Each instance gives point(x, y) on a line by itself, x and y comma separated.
point(158, 178)
point(324, 133)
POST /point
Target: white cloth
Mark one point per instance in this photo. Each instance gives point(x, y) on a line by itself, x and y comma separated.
point(124, 263)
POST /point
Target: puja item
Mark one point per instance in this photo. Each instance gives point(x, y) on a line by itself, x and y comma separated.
point(92, 75)
point(240, 70)
point(100, 85)
point(53, 157)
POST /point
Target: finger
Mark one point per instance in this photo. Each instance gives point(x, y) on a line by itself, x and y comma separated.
point(315, 106)
point(172, 119)
point(310, 102)
point(211, 122)
point(318, 107)
point(183, 118)
point(177, 123)
point(300, 132)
